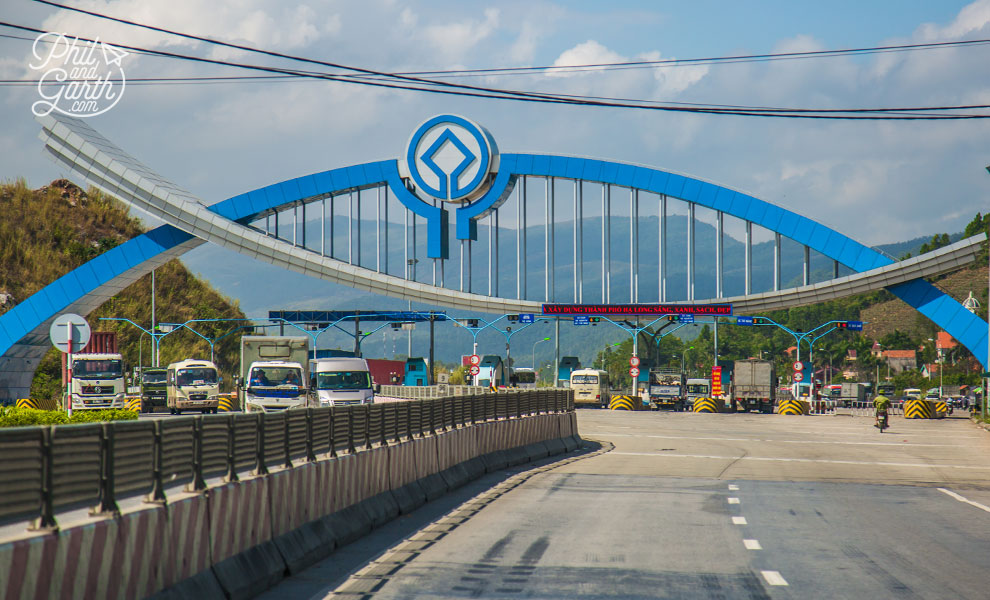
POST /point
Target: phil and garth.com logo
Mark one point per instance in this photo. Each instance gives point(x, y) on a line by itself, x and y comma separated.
point(78, 78)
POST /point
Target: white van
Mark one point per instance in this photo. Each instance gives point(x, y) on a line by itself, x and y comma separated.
point(341, 381)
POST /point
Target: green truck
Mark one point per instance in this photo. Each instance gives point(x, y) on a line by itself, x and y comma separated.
point(152, 388)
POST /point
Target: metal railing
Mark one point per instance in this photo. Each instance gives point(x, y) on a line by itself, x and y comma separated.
point(441, 390)
point(49, 470)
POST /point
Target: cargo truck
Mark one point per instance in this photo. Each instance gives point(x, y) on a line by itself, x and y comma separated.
point(274, 373)
point(97, 374)
point(754, 387)
point(697, 388)
point(192, 385)
point(667, 389)
point(853, 394)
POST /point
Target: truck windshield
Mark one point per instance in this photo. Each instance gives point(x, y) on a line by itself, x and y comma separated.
point(97, 369)
point(196, 376)
point(697, 388)
point(272, 376)
point(526, 376)
point(153, 377)
point(343, 380)
point(584, 379)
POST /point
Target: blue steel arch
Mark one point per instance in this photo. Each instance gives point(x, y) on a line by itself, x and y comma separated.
point(138, 253)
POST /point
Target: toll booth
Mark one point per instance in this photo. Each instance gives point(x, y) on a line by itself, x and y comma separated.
point(564, 369)
point(417, 372)
point(491, 372)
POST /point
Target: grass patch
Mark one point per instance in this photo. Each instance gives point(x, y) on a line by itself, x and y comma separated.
point(12, 416)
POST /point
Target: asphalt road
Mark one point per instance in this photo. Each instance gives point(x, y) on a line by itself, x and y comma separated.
point(701, 506)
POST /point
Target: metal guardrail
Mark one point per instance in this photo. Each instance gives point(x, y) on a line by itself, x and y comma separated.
point(48, 470)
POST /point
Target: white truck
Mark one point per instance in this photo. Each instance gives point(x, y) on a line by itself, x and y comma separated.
point(274, 374)
point(697, 388)
point(192, 384)
point(341, 381)
point(97, 381)
point(754, 386)
point(852, 394)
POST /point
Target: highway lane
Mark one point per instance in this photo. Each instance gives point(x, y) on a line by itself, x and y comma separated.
point(714, 506)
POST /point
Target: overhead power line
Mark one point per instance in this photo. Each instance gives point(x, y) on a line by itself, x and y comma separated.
point(392, 81)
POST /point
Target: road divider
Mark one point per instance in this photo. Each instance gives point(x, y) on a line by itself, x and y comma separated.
point(793, 407)
point(708, 405)
point(919, 409)
point(619, 402)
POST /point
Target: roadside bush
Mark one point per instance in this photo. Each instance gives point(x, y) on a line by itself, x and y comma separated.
point(11, 416)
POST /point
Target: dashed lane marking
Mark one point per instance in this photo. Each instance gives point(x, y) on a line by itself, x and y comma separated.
point(752, 544)
point(729, 439)
point(733, 488)
point(964, 499)
point(733, 500)
point(739, 521)
point(773, 578)
point(807, 460)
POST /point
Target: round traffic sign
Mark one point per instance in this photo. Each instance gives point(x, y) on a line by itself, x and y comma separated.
point(798, 376)
point(633, 361)
point(69, 326)
point(475, 359)
point(798, 365)
point(633, 371)
point(475, 369)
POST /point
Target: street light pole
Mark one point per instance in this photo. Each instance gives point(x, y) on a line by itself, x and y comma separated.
point(534, 349)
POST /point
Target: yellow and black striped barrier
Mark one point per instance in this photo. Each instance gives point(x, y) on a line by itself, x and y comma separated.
point(624, 403)
point(793, 407)
point(918, 409)
point(44, 404)
point(708, 405)
point(228, 403)
point(941, 410)
point(133, 403)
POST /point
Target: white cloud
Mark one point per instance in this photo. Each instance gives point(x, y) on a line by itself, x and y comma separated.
point(453, 40)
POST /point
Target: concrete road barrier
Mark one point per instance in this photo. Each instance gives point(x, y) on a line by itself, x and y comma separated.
point(793, 407)
point(708, 405)
point(625, 403)
point(919, 409)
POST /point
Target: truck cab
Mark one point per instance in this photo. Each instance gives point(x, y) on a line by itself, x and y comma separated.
point(192, 385)
point(342, 381)
point(667, 389)
point(697, 388)
point(97, 381)
point(153, 388)
point(274, 385)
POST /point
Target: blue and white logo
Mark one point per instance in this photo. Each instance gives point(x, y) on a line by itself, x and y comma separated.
point(451, 158)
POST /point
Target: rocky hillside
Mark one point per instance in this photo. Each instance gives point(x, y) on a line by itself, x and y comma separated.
point(46, 233)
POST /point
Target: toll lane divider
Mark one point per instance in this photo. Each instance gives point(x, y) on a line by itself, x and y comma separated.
point(941, 410)
point(708, 405)
point(793, 407)
point(625, 403)
point(919, 409)
point(240, 537)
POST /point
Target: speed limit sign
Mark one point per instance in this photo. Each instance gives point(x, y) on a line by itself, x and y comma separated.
point(475, 369)
point(798, 365)
point(799, 377)
point(633, 371)
point(475, 359)
point(633, 361)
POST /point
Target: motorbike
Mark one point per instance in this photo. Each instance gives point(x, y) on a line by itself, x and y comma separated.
point(882, 422)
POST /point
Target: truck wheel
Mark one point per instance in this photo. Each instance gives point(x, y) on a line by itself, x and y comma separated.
point(205, 411)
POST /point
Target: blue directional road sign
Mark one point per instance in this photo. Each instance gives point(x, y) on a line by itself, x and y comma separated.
point(581, 320)
point(854, 325)
point(744, 320)
point(685, 318)
point(527, 318)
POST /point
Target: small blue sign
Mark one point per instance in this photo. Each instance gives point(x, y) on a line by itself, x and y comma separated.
point(527, 318)
point(854, 325)
point(685, 318)
point(581, 320)
point(744, 320)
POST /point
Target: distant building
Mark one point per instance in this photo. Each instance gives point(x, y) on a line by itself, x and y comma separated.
point(851, 355)
point(876, 350)
point(901, 360)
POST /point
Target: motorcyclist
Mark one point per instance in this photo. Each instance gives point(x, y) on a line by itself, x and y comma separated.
point(882, 404)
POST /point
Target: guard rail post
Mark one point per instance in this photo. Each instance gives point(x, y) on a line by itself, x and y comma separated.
point(310, 453)
point(350, 431)
point(384, 425)
point(260, 468)
point(333, 441)
point(367, 425)
point(157, 495)
point(46, 518)
point(285, 442)
point(433, 417)
point(108, 503)
point(198, 483)
point(231, 474)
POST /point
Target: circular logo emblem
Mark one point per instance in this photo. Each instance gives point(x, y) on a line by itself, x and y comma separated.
point(451, 158)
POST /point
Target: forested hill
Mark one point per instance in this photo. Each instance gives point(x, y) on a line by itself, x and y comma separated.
point(48, 232)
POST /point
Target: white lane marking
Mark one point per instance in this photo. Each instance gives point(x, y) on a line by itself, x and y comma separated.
point(964, 499)
point(739, 521)
point(752, 544)
point(733, 500)
point(803, 460)
point(773, 578)
point(728, 439)
point(733, 487)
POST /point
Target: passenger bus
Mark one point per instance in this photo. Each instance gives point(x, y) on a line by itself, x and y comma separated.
point(591, 387)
